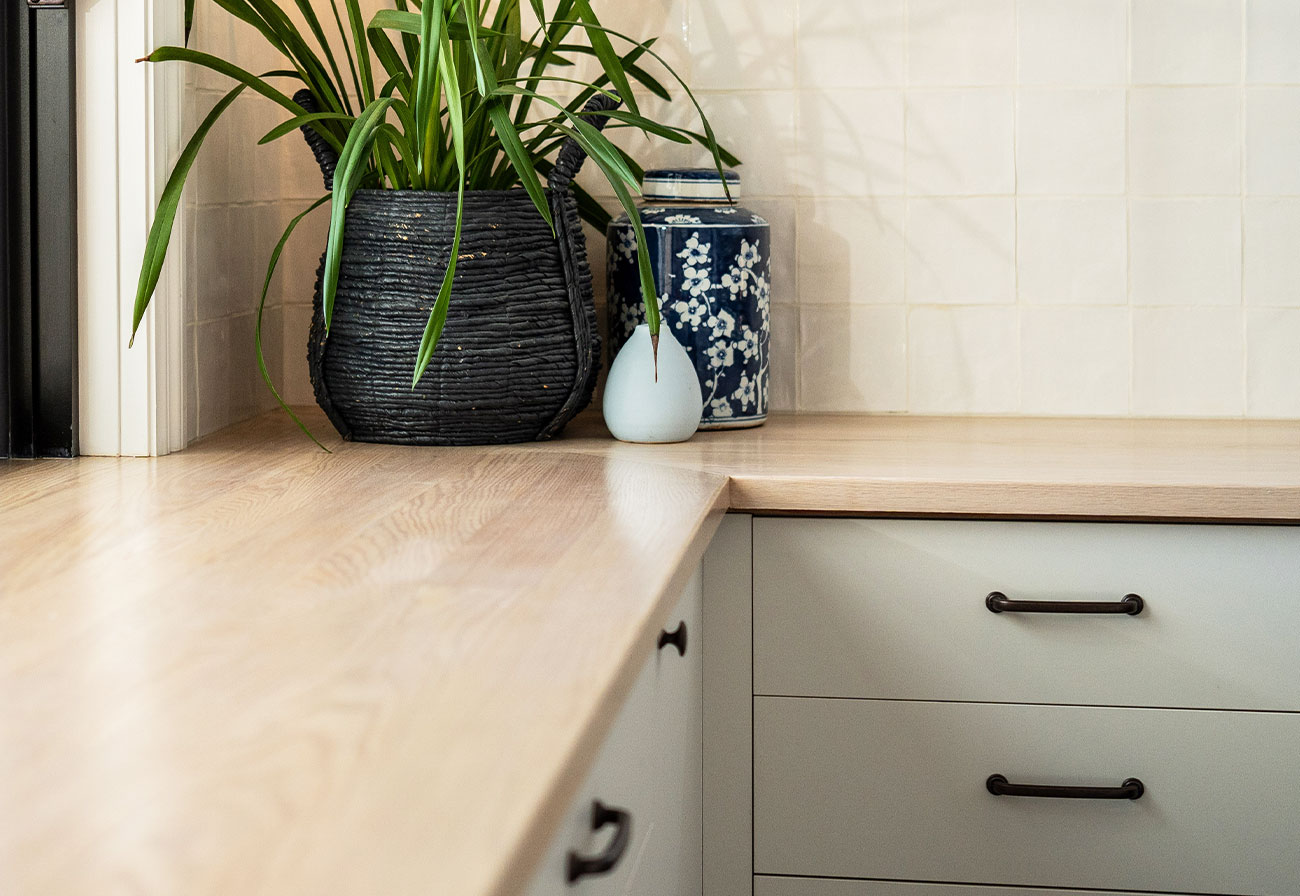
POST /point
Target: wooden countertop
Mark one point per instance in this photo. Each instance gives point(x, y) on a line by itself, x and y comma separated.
point(253, 667)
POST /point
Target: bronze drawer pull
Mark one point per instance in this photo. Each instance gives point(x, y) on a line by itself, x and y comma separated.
point(1131, 789)
point(601, 815)
point(1130, 605)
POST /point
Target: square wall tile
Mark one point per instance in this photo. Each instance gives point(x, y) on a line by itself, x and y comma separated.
point(1186, 41)
point(296, 383)
point(1070, 142)
point(1072, 251)
point(967, 43)
point(1068, 43)
point(1271, 229)
point(852, 359)
point(1272, 35)
point(302, 256)
point(852, 44)
point(961, 251)
point(1188, 362)
point(1273, 362)
point(667, 20)
point(215, 354)
point(1074, 361)
point(851, 251)
point(1273, 140)
point(742, 44)
point(963, 360)
point(1184, 140)
point(1185, 251)
point(759, 127)
point(783, 366)
point(960, 142)
point(209, 179)
point(850, 143)
point(217, 274)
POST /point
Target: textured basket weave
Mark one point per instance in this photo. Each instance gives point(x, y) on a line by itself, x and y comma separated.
point(520, 352)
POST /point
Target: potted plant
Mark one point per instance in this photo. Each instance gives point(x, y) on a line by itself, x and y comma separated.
point(453, 303)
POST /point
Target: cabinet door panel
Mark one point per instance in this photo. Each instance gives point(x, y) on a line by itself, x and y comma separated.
point(649, 765)
point(897, 790)
point(896, 609)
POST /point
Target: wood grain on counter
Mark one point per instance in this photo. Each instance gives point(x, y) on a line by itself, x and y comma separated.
point(257, 668)
point(1195, 470)
point(254, 667)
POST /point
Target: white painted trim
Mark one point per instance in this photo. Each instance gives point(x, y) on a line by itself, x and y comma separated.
point(128, 132)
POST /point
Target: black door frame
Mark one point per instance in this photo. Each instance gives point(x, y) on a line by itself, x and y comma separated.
point(38, 230)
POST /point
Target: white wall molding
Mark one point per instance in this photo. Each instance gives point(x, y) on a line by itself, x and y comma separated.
point(129, 130)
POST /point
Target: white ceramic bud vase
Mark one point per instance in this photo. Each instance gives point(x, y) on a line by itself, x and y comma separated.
point(639, 408)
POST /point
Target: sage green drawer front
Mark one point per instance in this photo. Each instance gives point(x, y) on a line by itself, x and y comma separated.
point(896, 609)
point(896, 790)
point(811, 886)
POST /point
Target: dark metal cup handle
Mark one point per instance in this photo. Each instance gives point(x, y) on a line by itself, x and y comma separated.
point(587, 866)
point(675, 638)
point(1129, 605)
point(1131, 789)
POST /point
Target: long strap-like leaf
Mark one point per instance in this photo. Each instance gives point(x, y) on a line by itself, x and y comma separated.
point(261, 307)
point(160, 232)
point(248, 79)
point(346, 177)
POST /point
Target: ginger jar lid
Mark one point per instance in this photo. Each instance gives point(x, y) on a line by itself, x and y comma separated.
point(691, 184)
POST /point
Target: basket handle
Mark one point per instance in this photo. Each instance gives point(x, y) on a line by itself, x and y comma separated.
point(325, 155)
point(571, 157)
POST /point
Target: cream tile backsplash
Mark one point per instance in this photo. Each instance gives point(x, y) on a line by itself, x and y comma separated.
point(1020, 206)
point(981, 206)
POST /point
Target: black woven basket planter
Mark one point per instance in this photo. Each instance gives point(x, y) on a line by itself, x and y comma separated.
point(520, 352)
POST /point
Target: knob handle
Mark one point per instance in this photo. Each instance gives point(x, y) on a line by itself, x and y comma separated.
point(676, 638)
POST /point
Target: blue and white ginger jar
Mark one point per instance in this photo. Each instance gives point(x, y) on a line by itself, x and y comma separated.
point(711, 261)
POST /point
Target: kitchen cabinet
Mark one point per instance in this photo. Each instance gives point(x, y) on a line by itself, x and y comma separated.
point(647, 775)
point(886, 692)
point(858, 691)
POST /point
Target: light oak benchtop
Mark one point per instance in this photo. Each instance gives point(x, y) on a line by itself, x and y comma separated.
point(256, 668)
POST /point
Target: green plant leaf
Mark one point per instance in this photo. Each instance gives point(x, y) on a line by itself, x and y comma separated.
point(347, 46)
point(599, 152)
point(396, 20)
point(189, 20)
point(366, 87)
point(346, 177)
point(313, 23)
point(293, 124)
point(642, 123)
point(285, 37)
point(426, 113)
point(261, 307)
point(604, 50)
point(160, 232)
point(519, 158)
point(711, 142)
point(253, 82)
point(438, 314)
